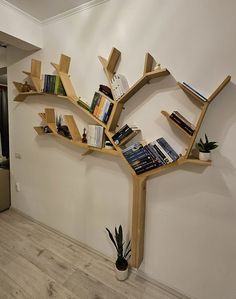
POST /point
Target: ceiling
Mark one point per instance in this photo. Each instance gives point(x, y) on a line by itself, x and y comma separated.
point(45, 9)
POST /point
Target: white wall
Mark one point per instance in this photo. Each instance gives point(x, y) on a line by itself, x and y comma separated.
point(190, 242)
point(16, 24)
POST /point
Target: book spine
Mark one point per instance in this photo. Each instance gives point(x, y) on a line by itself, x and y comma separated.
point(150, 152)
point(131, 158)
point(146, 168)
point(133, 147)
point(184, 120)
point(160, 153)
point(123, 135)
point(168, 148)
point(164, 152)
point(94, 101)
point(181, 124)
point(119, 133)
point(108, 113)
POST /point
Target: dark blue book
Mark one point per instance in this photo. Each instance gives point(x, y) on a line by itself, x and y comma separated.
point(170, 151)
point(132, 157)
point(132, 148)
point(146, 168)
point(155, 157)
point(120, 132)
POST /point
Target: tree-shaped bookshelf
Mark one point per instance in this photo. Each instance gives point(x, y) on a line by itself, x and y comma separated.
point(139, 181)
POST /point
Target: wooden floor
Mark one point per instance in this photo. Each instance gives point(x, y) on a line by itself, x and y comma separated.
point(37, 263)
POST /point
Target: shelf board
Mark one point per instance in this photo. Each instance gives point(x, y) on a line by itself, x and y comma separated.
point(141, 82)
point(192, 94)
point(112, 152)
point(23, 95)
point(40, 130)
point(198, 162)
point(167, 115)
point(219, 88)
point(156, 74)
point(129, 137)
point(179, 162)
point(160, 169)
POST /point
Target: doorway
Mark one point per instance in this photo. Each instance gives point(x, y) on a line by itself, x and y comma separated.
point(4, 134)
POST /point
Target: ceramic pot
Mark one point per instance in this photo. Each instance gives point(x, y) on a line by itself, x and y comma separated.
point(204, 156)
point(121, 275)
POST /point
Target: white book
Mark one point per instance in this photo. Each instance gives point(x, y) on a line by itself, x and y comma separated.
point(95, 135)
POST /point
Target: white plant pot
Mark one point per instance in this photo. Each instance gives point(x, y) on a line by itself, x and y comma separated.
point(121, 275)
point(204, 156)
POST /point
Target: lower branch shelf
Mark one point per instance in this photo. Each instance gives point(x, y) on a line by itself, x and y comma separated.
point(40, 131)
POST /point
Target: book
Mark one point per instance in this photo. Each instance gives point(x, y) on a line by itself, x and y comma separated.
point(168, 148)
point(195, 92)
point(83, 104)
point(184, 120)
point(182, 124)
point(119, 85)
point(106, 90)
point(161, 155)
point(95, 136)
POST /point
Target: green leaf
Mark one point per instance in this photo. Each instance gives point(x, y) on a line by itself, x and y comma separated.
point(112, 238)
point(206, 138)
point(127, 247)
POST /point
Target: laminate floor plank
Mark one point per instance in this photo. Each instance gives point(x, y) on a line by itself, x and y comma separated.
point(38, 263)
point(36, 283)
point(9, 289)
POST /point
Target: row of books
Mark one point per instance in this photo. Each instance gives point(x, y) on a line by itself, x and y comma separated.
point(199, 95)
point(119, 85)
point(146, 157)
point(182, 122)
point(101, 107)
point(124, 132)
point(52, 84)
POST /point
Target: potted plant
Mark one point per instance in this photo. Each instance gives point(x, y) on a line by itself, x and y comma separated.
point(205, 148)
point(123, 253)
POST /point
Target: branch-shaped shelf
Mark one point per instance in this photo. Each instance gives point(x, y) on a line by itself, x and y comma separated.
point(139, 181)
point(49, 119)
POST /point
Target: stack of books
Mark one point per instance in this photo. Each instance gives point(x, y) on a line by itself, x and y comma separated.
point(182, 122)
point(101, 107)
point(95, 136)
point(123, 133)
point(150, 156)
point(52, 84)
point(195, 92)
point(119, 85)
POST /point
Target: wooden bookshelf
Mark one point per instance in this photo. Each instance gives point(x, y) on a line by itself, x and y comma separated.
point(110, 65)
